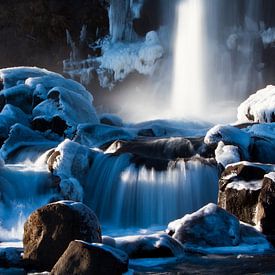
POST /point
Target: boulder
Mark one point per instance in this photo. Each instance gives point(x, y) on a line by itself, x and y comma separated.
point(209, 226)
point(266, 206)
point(149, 246)
point(239, 189)
point(49, 230)
point(86, 258)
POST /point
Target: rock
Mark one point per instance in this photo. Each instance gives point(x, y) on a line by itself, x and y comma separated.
point(239, 189)
point(49, 230)
point(85, 258)
point(158, 148)
point(209, 226)
point(149, 246)
point(266, 206)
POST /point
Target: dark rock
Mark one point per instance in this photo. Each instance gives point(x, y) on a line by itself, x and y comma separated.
point(239, 189)
point(149, 246)
point(241, 203)
point(161, 148)
point(56, 124)
point(266, 206)
point(209, 226)
point(49, 230)
point(85, 258)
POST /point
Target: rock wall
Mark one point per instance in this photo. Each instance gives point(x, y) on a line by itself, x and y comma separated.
point(34, 32)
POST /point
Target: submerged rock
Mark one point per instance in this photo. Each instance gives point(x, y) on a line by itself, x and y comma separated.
point(86, 258)
point(209, 226)
point(49, 230)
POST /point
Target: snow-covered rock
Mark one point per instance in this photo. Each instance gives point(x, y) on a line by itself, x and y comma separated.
point(54, 226)
point(229, 135)
point(91, 258)
point(48, 96)
point(70, 159)
point(73, 108)
point(209, 226)
point(259, 107)
point(149, 246)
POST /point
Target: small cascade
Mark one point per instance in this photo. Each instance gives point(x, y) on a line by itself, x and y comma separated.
point(23, 188)
point(124, 195)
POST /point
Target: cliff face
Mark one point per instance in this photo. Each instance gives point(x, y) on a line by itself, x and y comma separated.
point(33, 32)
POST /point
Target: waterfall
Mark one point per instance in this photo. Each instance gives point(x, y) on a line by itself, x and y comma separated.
point(217, 59)
point(187, 92)
point(124, 195)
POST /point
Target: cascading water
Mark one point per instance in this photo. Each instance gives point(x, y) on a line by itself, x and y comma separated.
point(217, 59)
point(124, 195)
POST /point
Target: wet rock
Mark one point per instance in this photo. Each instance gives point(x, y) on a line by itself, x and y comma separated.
point(149, 246)
point(49, 230)
point(209, 226)
point(85, 258)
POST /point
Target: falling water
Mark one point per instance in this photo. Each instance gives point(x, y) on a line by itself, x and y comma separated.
point(187, 93)
point(218, 55)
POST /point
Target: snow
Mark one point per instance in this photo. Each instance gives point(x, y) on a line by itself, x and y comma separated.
point(71, 189)
point(246, 185)
point(271, 176)
point(259, 107)
point(73, 159)
point(12, 76)
point(226, 154)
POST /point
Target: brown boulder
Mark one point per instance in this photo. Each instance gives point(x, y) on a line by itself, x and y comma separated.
point(85, 258)
point(266, 206)
point(49, 230)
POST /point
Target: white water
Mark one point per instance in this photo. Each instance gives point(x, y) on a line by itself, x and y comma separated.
point(123, 195)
